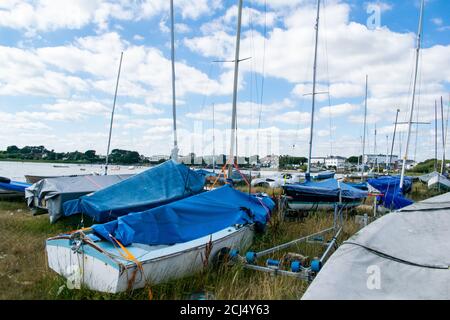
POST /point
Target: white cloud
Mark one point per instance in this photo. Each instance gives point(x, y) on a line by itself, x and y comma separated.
point(338, 110)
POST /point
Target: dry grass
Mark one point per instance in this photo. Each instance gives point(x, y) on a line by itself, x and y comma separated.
point(24, 273)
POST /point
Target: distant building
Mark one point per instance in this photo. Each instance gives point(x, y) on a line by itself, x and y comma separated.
point(270, 161)
point(188, 160)
point(335, 161)
point(409, 164)
point(253, 160)
point(378, 159)
point(318, 160)
point(242, 161)
point(158, 158)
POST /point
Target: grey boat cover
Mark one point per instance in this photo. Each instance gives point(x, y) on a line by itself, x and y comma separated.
point(424, 178)
point(403, 255)
point(51, 193)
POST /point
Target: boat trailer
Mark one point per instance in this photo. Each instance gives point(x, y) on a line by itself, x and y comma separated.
point(295, 264)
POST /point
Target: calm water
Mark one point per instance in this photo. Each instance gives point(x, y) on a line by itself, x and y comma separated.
point(17, 170)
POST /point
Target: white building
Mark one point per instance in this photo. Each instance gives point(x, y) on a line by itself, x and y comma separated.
point(409, 164)
point(381, 159)
point(270, 161)
point(335, 161)
point(318, 160)
point(158, 157)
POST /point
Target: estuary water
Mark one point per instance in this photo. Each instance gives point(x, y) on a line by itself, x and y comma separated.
point(16, 171)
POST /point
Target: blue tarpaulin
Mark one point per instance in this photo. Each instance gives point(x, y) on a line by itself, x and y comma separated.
point(389, 186)
point(156, 186)
point(189, 218)
point(327, 188)
point(206, 173)
point(14, 186)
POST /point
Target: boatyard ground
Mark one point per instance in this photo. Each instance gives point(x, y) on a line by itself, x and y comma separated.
point(24, 273)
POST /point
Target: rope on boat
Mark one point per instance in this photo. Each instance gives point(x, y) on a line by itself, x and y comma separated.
point(127, 255)
point(399, 260)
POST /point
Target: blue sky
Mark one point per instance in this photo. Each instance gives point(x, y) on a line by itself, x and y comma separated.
point(59, 59)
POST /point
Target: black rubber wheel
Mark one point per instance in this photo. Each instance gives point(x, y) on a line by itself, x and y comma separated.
point(221, 257)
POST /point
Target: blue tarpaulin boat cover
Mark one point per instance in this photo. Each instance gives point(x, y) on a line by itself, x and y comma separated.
point(156, 186)
point(15, 186)
point(389, 186)
point(189, 218)
point(329, 187)
point(206, 173)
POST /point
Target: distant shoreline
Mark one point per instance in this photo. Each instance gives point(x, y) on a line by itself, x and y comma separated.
point(70, 162)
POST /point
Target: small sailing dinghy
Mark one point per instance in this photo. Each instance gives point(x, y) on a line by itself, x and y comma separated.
point(12, 188)
point(277, 180)
point(164, 183)
point(322, 195)
point(439, 181)
point(426, 177)
point(159, 244)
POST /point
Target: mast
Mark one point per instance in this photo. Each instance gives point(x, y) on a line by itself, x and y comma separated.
point(313, 105)
point(235, 85)
point(364, 134)
point(443, 138)
point(214, 141)
point(435, 136)
point(174, 153)
point(112, 115)
point(387, 151)
point(393, 137)
point(411, 110)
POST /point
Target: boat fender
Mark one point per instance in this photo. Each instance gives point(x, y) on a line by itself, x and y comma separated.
point(296, 266)
point(316, 265)
point(274, 264)
point(250, 257)
point(5, 180)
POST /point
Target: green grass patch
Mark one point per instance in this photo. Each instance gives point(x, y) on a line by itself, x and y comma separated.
point(24, 273)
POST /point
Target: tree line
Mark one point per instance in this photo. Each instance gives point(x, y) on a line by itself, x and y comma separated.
point(40, 153)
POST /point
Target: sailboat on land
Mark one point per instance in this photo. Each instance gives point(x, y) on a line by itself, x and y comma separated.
point(166, 242)
point(312, 195)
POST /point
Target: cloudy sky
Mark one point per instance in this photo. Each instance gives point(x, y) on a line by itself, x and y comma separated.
point(59, 61)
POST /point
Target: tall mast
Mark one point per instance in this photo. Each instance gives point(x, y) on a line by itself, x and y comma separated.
point(387, 151)
point(364, 134)
point(174, 153)
point(112, 115)
point(443, 138)
point(214, 141)
point(235, 85)
point(435, 136)
point(393, 137)
point(411, 110)
point(313, 105)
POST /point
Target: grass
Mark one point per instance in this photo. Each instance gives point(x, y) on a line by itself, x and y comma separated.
point(24, 273)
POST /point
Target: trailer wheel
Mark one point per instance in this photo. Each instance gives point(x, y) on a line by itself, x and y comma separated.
point(222, 257)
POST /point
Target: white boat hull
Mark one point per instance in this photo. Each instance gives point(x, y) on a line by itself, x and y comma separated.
point(104, 271)
point(439, 181)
